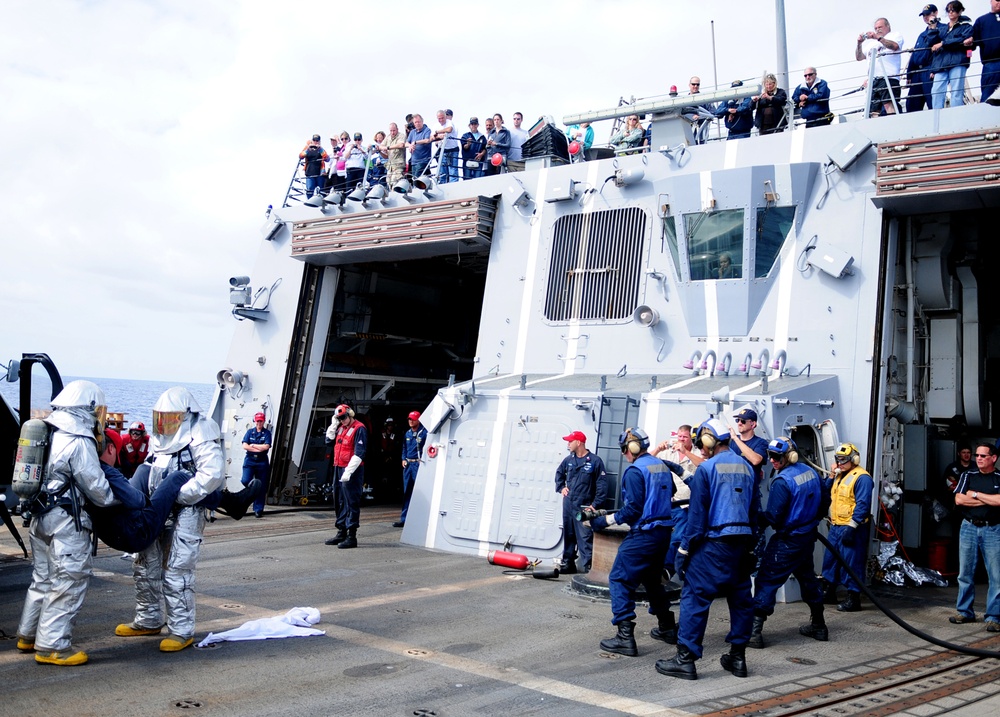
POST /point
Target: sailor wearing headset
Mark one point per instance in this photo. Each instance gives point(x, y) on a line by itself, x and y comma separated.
point(851, 491)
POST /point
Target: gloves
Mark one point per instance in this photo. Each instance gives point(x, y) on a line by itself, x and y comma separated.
point(681, 562)
point(352, 465)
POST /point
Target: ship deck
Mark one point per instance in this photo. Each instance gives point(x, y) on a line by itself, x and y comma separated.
point(411, 631)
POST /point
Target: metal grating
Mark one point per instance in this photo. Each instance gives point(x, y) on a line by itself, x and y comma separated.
point(596, 264)
point(968, 160)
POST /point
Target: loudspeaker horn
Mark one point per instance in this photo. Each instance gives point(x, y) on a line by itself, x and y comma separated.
point(646, 316)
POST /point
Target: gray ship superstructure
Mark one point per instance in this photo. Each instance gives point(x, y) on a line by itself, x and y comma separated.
point(592, 296)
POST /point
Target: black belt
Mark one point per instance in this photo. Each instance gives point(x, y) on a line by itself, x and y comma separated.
point(982, 522)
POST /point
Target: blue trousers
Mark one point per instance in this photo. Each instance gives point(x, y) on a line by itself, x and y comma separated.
point(577, 538)
point(260, 471)
point(784, 556)
point(990, 79)
point(134, 530)
point(409, 480)
point(448, 170)
point(972, 541)
point(919, 96)
point(639, 562)
point(718, 568)
point(853, 548)
point(349, 498)
point(680, 518)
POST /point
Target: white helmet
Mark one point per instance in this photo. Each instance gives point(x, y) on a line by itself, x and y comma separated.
point(86, 395)
point(171, 409)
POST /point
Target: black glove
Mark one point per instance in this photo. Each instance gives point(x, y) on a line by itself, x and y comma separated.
point(681, 562)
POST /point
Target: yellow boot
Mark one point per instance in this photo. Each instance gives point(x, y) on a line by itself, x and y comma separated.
point(129, 629)
point(26, 644)
point(68, 657)
point(173, 643)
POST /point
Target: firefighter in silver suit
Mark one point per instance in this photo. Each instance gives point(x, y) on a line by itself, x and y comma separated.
point(61, 533)
point(183, 439)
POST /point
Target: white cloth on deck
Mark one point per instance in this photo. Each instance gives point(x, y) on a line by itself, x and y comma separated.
point(294, 623)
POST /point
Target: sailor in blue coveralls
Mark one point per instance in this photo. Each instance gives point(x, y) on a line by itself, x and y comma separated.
point(714, 558)
point(583, 483)
point(794, 509)
point(257, 443)
point(413, 449)
point(647, 489)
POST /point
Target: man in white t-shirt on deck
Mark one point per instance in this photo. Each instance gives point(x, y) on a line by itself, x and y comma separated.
point(886, 44)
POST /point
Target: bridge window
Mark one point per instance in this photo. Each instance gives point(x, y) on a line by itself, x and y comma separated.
point(715, 244)
point(773, 225)
point(596, 265)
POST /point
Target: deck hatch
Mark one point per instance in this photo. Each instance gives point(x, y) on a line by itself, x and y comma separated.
point(595, 266)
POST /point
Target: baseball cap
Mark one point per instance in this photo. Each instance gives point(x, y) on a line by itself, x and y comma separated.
point(357, 135)
point(449, 113)
point(928, 9)
point(747, 414)
point(576, 436)
point(316, 138)
point(115, 437)
point(259, 417)
point(473, 120)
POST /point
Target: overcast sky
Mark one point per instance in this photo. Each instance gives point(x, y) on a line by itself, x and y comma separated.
point(143, 141)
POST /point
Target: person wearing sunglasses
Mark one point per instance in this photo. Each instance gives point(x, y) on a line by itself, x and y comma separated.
point(750, 447)
point(977, 498)
point(812, 100)
point(851, 489)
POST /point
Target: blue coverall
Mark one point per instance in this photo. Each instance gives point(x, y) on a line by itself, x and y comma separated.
point(413, 447)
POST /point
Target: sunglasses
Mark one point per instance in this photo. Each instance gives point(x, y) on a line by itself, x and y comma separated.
point(983, 455)
point(743, 420)
point(810, 74)
point(695, 84)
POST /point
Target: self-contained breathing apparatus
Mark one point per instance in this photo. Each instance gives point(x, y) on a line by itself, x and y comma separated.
point(33, 446)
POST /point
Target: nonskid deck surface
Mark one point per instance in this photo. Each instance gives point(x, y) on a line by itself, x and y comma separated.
point(412, 631)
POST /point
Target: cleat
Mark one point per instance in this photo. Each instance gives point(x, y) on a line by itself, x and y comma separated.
point(64, 658)
point(130, 630)
point(26, 644)
point(173, 643)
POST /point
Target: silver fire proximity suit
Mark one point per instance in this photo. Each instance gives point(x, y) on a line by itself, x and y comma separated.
point(182, 439)
point(61, 553)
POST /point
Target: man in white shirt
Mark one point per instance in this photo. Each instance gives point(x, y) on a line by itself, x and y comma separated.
point(886, 45)
point(446, 133)
point(515, 160)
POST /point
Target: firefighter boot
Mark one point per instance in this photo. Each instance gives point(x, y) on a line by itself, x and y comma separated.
point(339, 538)
point(63, 658)
point(756, 640)
point(666, 630)
point(736, 660)
point(816, 627)
point(623, 642)
point(680, 665)
point(236, 505)
point(852, 603)
point(351, 541)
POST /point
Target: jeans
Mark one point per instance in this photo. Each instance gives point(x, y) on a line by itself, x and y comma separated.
point(953, 77)
point(417, 166)
point(971, 542)
point(314, 184)
point(260, 471)
point(448, 171)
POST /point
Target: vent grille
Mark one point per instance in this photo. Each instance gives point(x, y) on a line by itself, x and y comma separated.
point(596, 265)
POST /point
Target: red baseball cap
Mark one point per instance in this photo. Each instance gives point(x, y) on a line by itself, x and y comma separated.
point(576, 436)
point(115, 437)
point(259, 417)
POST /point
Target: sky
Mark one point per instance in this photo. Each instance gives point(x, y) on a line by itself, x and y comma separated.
point(143, 141)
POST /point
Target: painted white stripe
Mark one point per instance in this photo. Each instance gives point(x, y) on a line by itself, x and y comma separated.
point(712, 311)
point(531, 269)
point(732, 146)
point(796, 145)
point(497, 452)
point(787, 272)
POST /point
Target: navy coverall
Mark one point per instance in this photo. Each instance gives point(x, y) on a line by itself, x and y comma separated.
point(588, 485)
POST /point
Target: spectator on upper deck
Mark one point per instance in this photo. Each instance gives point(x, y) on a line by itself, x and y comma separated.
point(769, 106)
point(695, 113)
point(418, 141)
point(630, 135)
point(331, 171)
point(885, 45)
point(498, 142)
point(393, 149)
point(918, 69)
point(376, 162)
point(812, 98)
point(583, 134)
point(446, 134)
point(340, 183)
point(950, 58)
point(355, 157)
point(314, 158)
point(518, 136)
point(473, 145)
point(737, 117)
point(986, 36)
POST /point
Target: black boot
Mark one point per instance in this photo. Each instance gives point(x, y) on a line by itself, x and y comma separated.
point(351, 541)
point(623, 643)
point(816, 627)
point(756, 639)
point(235, 505)
point(339, 538)
point(852, 603)
point(666, 629)
point(736, 660)
point(680, 665)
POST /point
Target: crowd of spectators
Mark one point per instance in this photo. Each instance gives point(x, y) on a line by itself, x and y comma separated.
point(935, 76)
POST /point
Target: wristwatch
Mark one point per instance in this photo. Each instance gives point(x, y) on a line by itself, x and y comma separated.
point(975, 495)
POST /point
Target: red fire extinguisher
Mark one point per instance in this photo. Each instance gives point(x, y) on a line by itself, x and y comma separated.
point(508, 560)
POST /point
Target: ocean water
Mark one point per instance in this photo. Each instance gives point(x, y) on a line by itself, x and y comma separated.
point(133, 398)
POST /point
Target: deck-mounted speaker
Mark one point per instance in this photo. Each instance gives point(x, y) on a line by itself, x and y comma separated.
point(646, 316)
